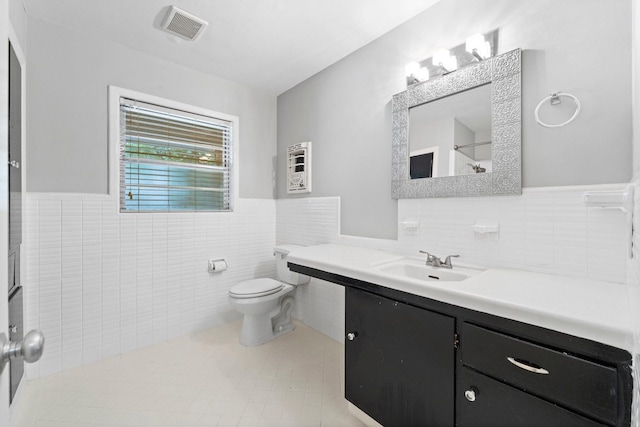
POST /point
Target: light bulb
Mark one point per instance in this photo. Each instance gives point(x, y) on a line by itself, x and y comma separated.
point(411, 69)
point(474, 42)
point(423, 74)
point(442, 58)
point(478, 46)
point(415, 73)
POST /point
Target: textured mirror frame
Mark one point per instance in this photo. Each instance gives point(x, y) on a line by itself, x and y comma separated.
point(503, 72)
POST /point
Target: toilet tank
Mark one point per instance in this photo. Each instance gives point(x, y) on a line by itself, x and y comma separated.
point(282, 271)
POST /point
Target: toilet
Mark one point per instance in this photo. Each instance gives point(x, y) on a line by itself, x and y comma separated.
point(267, 303)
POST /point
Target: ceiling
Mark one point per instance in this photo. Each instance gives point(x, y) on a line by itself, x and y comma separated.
point(269, 44)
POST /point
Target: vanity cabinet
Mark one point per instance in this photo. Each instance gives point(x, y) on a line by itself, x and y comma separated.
point(399, 361)
point(416, 361)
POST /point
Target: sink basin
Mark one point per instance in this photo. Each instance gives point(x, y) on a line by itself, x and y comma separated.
point(416, 269)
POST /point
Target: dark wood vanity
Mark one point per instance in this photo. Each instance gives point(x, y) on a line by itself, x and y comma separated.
point(415, 361)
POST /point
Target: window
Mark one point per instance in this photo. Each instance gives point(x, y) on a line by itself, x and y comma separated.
point(173, 159)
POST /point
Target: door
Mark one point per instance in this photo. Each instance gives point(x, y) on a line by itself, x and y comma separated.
point(399, 361)
point(16, 332)
point(4, 288)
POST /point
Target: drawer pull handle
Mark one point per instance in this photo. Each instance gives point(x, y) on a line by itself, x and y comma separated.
point(527, 367)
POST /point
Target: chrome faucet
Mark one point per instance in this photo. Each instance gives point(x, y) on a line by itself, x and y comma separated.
point(434, 261)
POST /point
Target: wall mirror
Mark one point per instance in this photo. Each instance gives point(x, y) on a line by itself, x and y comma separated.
point(460, 134)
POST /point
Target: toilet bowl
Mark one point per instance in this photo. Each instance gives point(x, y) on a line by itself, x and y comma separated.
point(266, 303)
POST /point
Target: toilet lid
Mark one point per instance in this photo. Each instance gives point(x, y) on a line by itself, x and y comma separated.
point(255, 288)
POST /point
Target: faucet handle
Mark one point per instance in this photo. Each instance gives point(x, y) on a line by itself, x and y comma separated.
point(447, 260)
point(432, 260)
point(430, 257)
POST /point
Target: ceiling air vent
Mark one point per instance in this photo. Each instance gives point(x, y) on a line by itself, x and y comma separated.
point(183, 24)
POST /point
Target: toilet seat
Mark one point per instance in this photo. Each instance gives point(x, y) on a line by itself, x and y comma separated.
point(255, 288)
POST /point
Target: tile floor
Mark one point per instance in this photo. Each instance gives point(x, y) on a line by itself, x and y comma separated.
point(204, 379)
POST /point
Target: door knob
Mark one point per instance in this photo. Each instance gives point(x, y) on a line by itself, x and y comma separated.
point(352, 336)
point(30, 349)
point(471, 394)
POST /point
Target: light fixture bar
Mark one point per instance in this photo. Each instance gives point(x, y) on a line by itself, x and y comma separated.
point(477, 47)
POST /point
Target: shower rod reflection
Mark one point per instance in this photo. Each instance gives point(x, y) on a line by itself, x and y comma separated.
point(456, 147)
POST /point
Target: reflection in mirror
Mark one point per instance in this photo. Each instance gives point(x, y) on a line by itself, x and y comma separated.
point(451, 136)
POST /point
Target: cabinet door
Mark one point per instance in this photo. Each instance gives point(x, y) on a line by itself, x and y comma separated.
point(484, 402)
point(399, 362)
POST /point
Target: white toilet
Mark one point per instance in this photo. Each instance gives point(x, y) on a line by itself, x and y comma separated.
point(267, 303)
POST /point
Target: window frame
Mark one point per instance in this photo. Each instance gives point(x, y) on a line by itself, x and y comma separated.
point(114, 95)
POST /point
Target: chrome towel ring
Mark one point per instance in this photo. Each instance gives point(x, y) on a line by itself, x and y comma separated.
point(555, 99)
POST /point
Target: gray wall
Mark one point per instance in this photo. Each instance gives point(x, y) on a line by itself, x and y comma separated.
point(576, 46)
point(18, 21)
point(67, 78)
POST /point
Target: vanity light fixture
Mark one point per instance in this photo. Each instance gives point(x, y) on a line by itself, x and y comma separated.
point(478, 47)
point(443, 59)
point(415, 73)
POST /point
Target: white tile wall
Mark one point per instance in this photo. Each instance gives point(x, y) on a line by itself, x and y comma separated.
point(312, 221)
point(633, 282)
point(99, 283)
point(308, 221)
point(633, 271)
point(546, 230)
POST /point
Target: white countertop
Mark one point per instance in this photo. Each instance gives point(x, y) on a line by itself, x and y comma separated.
point(599, 311)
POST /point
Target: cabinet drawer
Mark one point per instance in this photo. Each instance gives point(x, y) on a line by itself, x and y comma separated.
point(585, 386)
point(494, 404)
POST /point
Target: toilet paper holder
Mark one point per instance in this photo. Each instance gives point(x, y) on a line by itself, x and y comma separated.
point(216, 265)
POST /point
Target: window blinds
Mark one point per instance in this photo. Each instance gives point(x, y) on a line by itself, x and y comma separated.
point(172, 160)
